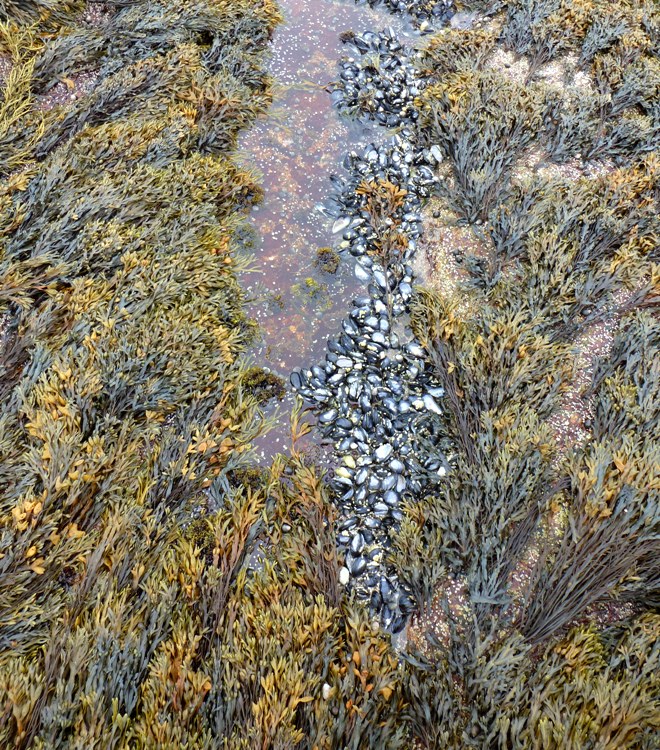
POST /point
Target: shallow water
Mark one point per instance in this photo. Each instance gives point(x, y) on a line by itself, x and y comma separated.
point(296, 147)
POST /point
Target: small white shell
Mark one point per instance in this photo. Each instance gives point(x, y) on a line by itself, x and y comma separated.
point(340, 224)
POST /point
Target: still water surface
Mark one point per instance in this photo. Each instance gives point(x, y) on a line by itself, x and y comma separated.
point(296, 147)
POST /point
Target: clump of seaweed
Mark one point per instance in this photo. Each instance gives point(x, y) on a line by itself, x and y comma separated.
point(327, 259)
point(483, 122)
point(616, 45)
point(312, 293)
point(454, 51)
point(262, 385)
point(594, 686)
point(544, 30)
point(47, 12)
point(613, 536)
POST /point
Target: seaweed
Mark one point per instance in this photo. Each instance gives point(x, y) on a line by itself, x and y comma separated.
point(48, 12)
point(484, 123)
point(535, 564)
point(262, 385)
point(504, 373)
point(311, 293)
point(327, 259)
point(615, 485)
point(544, 29)
point(489, 690)
point(454, 51)
point(133, 611)
point(571, 233)
point(619, 117)
point(502, 379)
point(156, 589)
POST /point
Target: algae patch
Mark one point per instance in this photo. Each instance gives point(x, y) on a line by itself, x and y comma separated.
point(327, 259)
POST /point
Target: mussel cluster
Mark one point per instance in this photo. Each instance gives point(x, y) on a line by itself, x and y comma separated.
point(375, 394)
point(427, 15)
point(380, 82)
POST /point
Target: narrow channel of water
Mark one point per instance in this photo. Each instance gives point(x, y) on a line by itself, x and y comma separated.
point(296, 147)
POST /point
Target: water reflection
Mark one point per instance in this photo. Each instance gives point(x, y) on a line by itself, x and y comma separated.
point(296, 147)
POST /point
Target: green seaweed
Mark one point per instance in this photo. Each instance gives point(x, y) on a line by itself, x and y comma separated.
point(312, 294)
